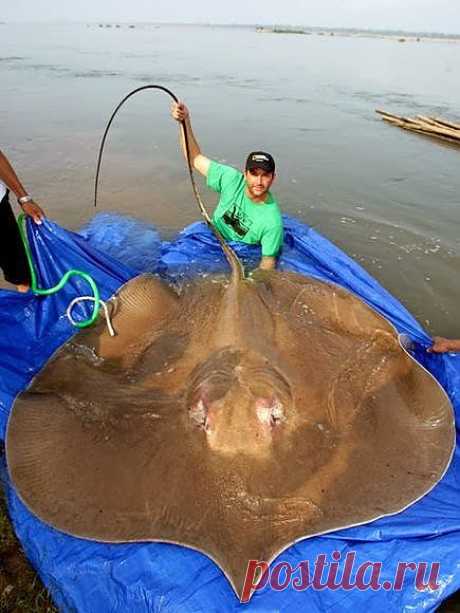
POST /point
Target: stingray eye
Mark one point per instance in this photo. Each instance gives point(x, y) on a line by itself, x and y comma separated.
point(270, 411)
point(199, 414)
point(277, 415)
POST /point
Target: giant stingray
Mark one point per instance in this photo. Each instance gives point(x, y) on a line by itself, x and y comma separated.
point(234, 416)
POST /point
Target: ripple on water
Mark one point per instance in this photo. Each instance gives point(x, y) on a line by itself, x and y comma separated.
point(91, 74)
point(12, 58)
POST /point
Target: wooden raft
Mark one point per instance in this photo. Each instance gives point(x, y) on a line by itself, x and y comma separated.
point(435, 127)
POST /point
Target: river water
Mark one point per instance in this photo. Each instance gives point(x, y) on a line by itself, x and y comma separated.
point(389, 198)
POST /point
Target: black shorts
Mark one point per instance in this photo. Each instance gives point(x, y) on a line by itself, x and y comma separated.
point(13, 259)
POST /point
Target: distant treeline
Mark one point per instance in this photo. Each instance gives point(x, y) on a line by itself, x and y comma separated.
point(387, 32)
point(371, 32)
point(327, 29)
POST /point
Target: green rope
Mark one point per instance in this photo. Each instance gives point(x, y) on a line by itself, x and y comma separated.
point(62, 282)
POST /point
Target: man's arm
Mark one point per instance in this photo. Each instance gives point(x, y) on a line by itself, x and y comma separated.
point(267, 262)
point(271, 242)
point(198, 161)
point(9, 177)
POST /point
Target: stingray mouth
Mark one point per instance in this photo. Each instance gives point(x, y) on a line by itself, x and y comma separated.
point(240, 401)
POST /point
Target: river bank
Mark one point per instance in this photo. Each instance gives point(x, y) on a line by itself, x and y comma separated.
point(20, 587)
point(391, 36)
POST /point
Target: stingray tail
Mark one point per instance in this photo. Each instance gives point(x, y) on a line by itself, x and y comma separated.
point(233, 260)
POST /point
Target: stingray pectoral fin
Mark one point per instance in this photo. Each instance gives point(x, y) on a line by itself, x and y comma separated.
point(138, 309)
point(368, 368)
point(337, 309)
point(428, 415)
point(93, 469)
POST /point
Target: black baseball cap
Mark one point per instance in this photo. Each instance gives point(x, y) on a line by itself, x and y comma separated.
point(260, 159)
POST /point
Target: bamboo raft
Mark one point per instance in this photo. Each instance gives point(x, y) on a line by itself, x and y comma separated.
point(436, 127)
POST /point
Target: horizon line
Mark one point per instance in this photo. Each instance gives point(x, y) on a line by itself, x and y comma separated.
point(234, 24)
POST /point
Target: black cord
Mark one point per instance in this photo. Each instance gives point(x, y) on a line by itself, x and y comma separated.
point(235, 264)
point(101, 146)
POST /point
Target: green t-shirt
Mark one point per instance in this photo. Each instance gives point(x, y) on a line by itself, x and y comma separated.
point(238, 218)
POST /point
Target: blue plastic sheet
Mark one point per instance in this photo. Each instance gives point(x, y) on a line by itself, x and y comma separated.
point(96, 577)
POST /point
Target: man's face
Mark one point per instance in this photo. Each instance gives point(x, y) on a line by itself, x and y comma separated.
point(258, 182)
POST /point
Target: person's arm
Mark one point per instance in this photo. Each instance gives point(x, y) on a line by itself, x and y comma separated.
point(271, 243)
point(267, 262)
point(442, 345)
point(11, 180)
point(198, 161)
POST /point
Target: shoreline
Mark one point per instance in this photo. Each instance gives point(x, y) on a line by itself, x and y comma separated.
point(20, 586)
point(402, 37)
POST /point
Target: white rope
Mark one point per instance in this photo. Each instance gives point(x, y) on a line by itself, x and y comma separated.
point(90, 299)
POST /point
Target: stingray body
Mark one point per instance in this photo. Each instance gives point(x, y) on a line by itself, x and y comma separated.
point(234, 416)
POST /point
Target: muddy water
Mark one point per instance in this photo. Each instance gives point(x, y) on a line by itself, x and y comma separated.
point(389, 198)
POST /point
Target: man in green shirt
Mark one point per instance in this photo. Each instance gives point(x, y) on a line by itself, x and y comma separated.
point(246, 211)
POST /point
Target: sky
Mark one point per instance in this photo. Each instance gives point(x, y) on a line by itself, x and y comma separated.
point(409, 15)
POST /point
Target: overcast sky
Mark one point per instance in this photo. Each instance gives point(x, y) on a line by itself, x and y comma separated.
point(417, 15)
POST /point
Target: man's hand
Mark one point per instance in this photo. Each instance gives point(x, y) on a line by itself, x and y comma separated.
point(267, 262)
point(33, 210)
point(442, 345)
point(198, 161)
point(179, 111)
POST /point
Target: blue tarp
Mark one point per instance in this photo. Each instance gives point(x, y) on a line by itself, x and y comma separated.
point(96, 577)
